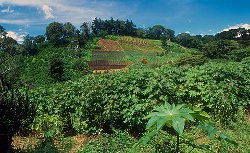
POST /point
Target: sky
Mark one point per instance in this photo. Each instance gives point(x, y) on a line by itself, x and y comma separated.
point(22, 17)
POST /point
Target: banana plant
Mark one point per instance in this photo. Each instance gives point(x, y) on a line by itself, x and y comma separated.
point(175, 117)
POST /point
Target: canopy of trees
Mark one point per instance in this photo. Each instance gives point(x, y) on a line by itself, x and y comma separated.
point(63, 34)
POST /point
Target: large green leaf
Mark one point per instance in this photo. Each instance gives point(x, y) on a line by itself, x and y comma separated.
point(178, 125)
point(209, 129)
point(173, 116)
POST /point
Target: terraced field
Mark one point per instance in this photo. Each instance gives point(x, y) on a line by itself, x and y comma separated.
point(141, 45)
point(133, 50)
point(109, 45)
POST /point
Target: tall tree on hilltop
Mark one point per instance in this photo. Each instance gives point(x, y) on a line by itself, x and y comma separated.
point(29, 45)
point(164, 43)
point(69, 30)
point(186, 40)
point(85, 28)
point(140, 32)
point(3, 33)
point(9, 45)
point(170, 34)
point(130, 28)
point(96, 26)
point(156, 32)
point(55, 33)
point(39, 39)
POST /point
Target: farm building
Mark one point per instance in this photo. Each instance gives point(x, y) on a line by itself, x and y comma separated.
point(102, 66)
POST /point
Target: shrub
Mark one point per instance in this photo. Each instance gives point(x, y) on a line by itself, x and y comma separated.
point(191, 60)
point(56, 69)
point(81, 65)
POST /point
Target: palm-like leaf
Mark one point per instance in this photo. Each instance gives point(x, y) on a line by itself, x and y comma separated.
point(170, 115)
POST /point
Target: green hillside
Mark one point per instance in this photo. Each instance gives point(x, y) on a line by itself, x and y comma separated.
point(111, 87)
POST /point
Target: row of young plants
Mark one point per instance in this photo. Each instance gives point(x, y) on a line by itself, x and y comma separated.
point(123, 100)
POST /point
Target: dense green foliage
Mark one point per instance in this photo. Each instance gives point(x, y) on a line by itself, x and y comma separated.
point(96, 102)
point(191, 60)
point(36, 69)
point(220, 48)
point(214, 76)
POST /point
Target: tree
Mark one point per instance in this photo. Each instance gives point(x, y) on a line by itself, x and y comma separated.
point(55, 33)
point(2, 32)
point(29, 45)
point(164, 43)
point(130, 28)
point(156, 32)
point(39, 39)
point(140, 32)
point(9, 70)
point(96, 26)
point(208, 38)
point(2, 36)
point(234, 34)
point(69, 30)
point(230, 35)
point(170, 34)
point(9, 45)
point(85, 28)
point(218, 49)
point(120, 27)
point(183, 39)
point(189, 41)
point(15, 110)
point(57, 69)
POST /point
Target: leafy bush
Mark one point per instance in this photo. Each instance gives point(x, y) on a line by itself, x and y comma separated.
point(97, 103)
point(218, 49)
point(238, 55)
point(81, 65)
point(220, 88)
point(191, 60)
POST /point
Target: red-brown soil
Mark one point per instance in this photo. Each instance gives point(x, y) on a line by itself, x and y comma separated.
point(109, 45)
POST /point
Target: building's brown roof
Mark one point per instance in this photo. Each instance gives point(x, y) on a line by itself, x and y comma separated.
point(107, 65)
